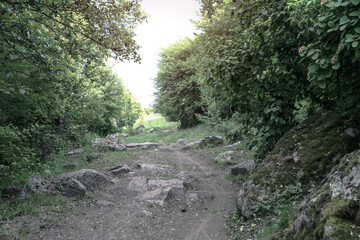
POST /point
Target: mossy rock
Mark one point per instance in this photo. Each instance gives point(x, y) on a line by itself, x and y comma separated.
point(304, 155)
point(333, 210)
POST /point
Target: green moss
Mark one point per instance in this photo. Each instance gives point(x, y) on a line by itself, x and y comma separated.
point(315, 142)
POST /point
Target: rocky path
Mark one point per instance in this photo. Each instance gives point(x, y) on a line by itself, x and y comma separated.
point(168, 194)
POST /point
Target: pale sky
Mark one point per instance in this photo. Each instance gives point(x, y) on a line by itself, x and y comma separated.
point(168, 22)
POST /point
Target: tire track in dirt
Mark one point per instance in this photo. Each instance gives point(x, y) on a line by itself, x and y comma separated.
point(211, 225)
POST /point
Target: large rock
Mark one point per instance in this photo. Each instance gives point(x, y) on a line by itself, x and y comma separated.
point(71, 187)
point(38, 185)
point(119, 170)
point(225, 158)
point(333, 210)
point(88, 177)
point(158, 196)
point(139, 146)
point(108, 144)
point(113, 138)
point(190, 146)
point(243, 168)
point(303, 155)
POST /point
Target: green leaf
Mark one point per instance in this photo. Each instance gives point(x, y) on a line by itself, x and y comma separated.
point(355, 14)
point(343, 20)
point(336, 66)
point(322, 84)
point(355, 44)
point(315, 56)
point(313, 68)
point(357, 29)
point(355, 2)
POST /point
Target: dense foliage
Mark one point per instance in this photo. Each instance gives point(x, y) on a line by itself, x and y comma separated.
point(55, 85)
point(178, 96)
point(265, 65)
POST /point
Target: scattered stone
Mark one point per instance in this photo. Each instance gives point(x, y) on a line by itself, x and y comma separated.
point(71, 188)
point(124, 135)
point(137, 184)
point(158, 196)
point(225, 158)
point(119, 170)
point(138, 146)
point(243, 168)
point(151, 130)
point(69, 166)
point(211, 141)
point(88, 177)
point(75, 153)
point(38, 185)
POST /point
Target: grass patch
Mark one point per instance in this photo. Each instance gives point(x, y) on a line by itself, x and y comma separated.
point(192, 134)
point(156, 121)
point(32, 206)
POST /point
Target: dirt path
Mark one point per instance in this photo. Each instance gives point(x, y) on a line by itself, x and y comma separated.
point(130, 208)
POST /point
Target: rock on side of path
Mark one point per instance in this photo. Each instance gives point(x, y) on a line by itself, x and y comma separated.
point(69, 166)
point(243, 168)
point(72, 187)
point(138, 146)
point(38, 185)
point(332, 211)
point(196, 198)
point(225, 158)
point(119, 170)
point(182, 142)
point(211, 141)
point(75, 153)
point(137, 184)
point(158, 196)
point(124, 135)
point(173, 183)
point(113, 138)
point(88, 177)
point(303, 155)
point(190, 146)
point(110, 145)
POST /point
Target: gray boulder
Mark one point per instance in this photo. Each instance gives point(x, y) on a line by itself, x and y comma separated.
point(71, 188)
point(88, 177)
point(303, 155)
point(108, 144)
point(140, 146)
point(242, 168)
point(113, 138)
point(190, 146)
point(38, 185)
point(119, 170)
point(332, 211)
point(158, 196)
point(225, 158)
